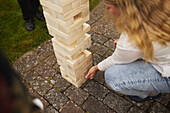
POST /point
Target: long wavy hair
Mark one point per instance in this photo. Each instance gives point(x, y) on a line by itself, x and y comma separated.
point(145, 22)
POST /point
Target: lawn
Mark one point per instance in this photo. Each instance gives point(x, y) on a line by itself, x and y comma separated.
point(14, 39)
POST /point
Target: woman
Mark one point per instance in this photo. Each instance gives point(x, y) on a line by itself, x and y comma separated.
point(140, 65)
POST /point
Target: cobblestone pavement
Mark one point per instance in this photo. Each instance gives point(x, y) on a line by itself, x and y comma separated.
point(40, 73)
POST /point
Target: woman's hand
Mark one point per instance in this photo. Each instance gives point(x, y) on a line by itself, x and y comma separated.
point(92, 72)
point(115, 42)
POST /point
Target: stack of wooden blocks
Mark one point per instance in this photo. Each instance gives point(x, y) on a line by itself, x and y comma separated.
point(66, 23)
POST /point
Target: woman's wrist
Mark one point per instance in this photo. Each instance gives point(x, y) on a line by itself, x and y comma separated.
point(96, 67)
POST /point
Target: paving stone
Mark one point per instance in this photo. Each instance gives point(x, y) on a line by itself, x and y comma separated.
point(51, 60)
point(41, 85)
point(99, 49)
point(106, 85)
point(92, 105)
point(71, 108)
point(145, 105)
point(56, 68)
point(158, 108)
point(163, 99)
point(116, 102)
point(59, 82)
point(110, 34)
point(110, 44)
point(100, 11)
point(56, 98)
point(45, 70)
point(30, 76)
point(91, 32)
point(98, 28)
point(107, 22)
point(50, 109)
point(36, 95)
point(28, 88)
point(96, 89)
point(97, 59)
point(93, 18)
point(76, 94)
point(168, 106)
point(110, 26)
point(111, 111)
point(109, 53)
point(97, 38)
point(26, 62)
point(120, 94)
point(45, 49)
point(99, 77)
point(135, 109)
point(103, 22)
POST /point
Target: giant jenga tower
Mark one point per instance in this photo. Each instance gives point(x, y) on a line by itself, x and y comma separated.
point(66, 23)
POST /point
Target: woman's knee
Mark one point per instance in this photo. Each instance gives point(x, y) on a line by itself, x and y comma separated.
point(115, 79)
point(108, 75)
point(111, 76)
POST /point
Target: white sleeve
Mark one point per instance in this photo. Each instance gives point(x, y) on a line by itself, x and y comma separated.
point(124, 53)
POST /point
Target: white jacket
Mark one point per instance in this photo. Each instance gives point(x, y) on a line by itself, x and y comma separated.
point(126, 53)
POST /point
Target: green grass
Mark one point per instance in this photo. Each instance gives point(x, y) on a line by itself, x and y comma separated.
point(93, 3)
point(14, 39)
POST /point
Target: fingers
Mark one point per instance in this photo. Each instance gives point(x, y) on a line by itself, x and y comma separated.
point(89, 76)
point(91, 73)
point(115, 42)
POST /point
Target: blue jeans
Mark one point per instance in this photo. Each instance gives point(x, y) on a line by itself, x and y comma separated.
point(137, 78)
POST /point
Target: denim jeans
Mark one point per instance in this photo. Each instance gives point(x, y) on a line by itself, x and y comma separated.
point(137, 78)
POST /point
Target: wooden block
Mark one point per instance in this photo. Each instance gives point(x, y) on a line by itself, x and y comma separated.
point(49, 11)
point(70, 40)
point(64, 9)
point(76, 3)
point(63, 62)
point(74, 48)
point(68, 26)
point(75, 71)
point(75, 11)
point(61, 3)
point(66, 55)
point(77, 84)
point(72, 63)
point(80, 40)
point(58, 53)
point(76, 29)
point(67, 8)
point(54, 31)
point(62, 23)
point(52, 23)
point(85, 13)
point(83, 1)
point(66, 12)
point(78, 19)
point(80, 76)
point(51, 5)
point(76, 63)
point(79, 29)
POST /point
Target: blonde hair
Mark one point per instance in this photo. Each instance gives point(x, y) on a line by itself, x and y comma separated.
point(145, 21)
